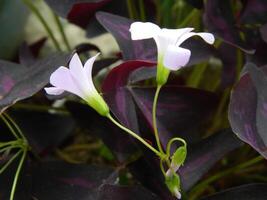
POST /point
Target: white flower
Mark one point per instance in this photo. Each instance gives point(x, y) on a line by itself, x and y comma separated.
point(78, 80)
point(170, 54)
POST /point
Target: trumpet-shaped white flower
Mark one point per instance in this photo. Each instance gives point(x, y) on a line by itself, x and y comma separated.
point(78, 80)
point(170, 55)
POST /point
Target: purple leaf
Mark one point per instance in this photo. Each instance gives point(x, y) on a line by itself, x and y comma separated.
point(263, 31)
point(219, 20)
point(117, 95)
point(19, 82)
point(146, 170)
point(78, 12)
point(111, 192)
point(201, 158)
point(228, 55)
point(254, 12)
point(120, 143)
point(256, 191)
point(177, 109)
point(255, 40)
point(203, 155)
point(131, 49)
point(27, 53)
point(44, 131)
point(102, 64)
point(82, 12)
point(58, 180)
point(247, 109)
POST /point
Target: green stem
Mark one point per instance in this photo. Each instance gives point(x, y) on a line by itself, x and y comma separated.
point(154, 116)
point(10, 161)
point(10, 127)
point(198, 189)
point(62, 32)
point(10, 147)
point(195, 77)
point(42, 20)
point(130, 9)
point(10, 143)
point(15, 181)
point(16, 126)
point(188, 18)
point(168, 149)
point(162, 156)
point(142, 10)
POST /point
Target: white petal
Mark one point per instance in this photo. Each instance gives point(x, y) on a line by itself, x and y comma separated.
point(175, 34)
point(62, 79)
point(177, 194)
point(76, 67)
point(78, 75)
point(53, 90)
point(176, 57)
point(89, 65)
point(169, 37)
point(143, 30)
point(207, 37)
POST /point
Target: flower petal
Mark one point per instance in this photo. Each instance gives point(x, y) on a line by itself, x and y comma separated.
point(89, 65)
point(76, 67)
point(78, 76)
point(143, 30)
point(62, 79)
point(207, 37)
point(176, 57)
point(53, 90)
point(169, 37)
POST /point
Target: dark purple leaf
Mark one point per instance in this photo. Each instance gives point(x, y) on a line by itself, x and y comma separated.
point(44, 131)
point(84, 47)
point(102, 64)
point(112, 192)
point(117, 95)
point(146, 170)
point(228, 55)
point(200, 51)
point(263, 31)
point(177, 109)
point(142, 74)
point(255, 40)
point(82, 12)
point(196, 3)
point(254, 12)
point(20, 82)
point(119, 142)
point(257, 191)
point(58, 180)
point(203, 155)
point(247, 109)
point(219, 20)
point(27, 53)
point(131, 49)
point(77, 11)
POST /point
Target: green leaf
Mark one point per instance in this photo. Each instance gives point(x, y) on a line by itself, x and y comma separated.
point(179, 156)
point(173, 183)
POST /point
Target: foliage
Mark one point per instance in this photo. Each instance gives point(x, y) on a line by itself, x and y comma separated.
point(60, 148)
